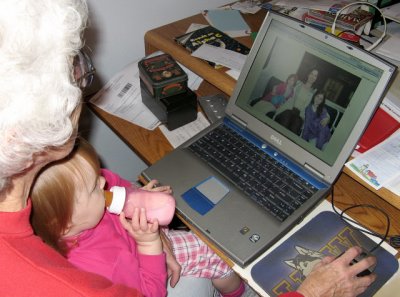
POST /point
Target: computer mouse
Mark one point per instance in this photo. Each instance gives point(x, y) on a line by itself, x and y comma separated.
point(362, 255)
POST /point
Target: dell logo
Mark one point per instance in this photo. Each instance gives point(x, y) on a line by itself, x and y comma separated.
point(276, 140)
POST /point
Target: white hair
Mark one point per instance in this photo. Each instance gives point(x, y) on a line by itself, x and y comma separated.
point(38, 40)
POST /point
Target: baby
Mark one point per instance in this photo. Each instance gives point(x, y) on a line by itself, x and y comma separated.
point(69, 214)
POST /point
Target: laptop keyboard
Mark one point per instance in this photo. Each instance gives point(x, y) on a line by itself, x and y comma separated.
point(276, 188)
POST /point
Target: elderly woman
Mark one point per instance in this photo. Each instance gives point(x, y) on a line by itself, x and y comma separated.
point(42, 70)
point(39, 111)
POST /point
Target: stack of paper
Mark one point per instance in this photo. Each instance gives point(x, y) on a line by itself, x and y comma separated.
point(389, 47)
point(392, 12)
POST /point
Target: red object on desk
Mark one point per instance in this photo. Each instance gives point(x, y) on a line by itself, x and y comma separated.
point(381, 127)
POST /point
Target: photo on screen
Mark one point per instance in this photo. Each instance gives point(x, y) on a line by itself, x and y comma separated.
point(308, 99)
point(308, 91)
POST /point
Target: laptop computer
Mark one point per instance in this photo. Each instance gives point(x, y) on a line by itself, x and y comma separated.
point(226, 210)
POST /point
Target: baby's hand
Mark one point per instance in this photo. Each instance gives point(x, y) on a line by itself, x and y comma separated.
point(152, 186)
point(146, 234)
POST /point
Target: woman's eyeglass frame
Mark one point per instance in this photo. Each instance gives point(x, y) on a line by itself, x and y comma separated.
point(83, 69)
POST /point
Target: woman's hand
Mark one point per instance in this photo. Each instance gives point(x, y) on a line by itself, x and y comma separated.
point(152, 186)
point(146, 234)
point(335, 277)
point(324, 122)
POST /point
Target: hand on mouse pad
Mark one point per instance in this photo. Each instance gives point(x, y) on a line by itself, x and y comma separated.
point(324, 235)
point(364, 254)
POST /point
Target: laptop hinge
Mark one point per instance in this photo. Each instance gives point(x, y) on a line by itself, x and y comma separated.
point(241, 123)
point(313, 170)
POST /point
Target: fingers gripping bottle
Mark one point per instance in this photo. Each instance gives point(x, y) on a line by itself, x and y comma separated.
point(158, 205)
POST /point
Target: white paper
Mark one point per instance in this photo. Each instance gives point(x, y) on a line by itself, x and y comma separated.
point(392, 12)
point(180, 135)
point(392, 28)
point(394, 186)
point(249, 6)
point(233, 73)
point(121, 96)
point(220, 56)
point(194, 27)
point(390, 48)
point(379, 165)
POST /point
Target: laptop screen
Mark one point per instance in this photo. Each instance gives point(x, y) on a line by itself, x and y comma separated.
point(308, 92)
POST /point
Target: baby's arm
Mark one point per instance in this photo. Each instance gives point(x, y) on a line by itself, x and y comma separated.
point(174, 269)
point(151, 259)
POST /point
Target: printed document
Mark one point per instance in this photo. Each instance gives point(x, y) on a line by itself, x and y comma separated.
point(379, 166)
point(180, 135)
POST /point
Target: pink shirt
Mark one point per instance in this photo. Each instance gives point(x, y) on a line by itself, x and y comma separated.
point(110, 251)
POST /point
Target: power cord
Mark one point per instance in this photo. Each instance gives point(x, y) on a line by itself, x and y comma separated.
point(394, 240)
point(375, 44)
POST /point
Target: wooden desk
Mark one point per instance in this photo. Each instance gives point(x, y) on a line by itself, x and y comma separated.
point(152, 145)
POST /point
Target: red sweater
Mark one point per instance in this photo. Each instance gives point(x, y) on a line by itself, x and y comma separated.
point(31, 268)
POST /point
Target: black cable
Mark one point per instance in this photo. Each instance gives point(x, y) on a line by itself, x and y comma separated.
point(393, 241)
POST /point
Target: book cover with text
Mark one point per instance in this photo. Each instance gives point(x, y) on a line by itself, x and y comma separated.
point(212, 36)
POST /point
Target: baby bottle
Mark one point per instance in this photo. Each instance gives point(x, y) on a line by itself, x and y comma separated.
point(158, 205)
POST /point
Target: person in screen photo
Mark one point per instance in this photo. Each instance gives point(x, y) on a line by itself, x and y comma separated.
point(281, 92)
point(291, 114)
point(316, 121)
point(272, 100)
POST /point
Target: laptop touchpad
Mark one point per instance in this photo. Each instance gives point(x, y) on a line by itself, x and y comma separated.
point(205, 195)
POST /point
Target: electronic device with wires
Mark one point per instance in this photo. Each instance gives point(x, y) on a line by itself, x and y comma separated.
point(301, 171)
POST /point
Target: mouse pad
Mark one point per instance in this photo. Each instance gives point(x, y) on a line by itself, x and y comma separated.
point(286, 267)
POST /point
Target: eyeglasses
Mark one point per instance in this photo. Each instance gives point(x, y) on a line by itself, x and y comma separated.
point(83, 70)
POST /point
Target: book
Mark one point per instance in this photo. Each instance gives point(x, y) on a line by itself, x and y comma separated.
point(285, 268)
point(212, 36)
point(350, 21)
point(327, 26)
point(316, 21)
point(380, 127)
